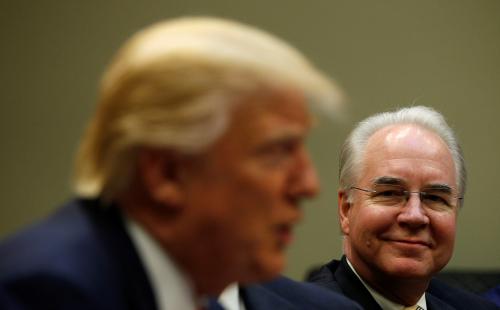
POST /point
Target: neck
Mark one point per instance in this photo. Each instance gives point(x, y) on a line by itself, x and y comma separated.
point(206, 276)
point(185, 242)
point(198, 264)
point(404, 291)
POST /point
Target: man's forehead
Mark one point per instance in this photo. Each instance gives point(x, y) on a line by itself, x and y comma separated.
point(265, 118)
point(272, 105)
point(407, 153)
point(286, 133)
point(407, 140)
point(402, 132)
point(275, 126)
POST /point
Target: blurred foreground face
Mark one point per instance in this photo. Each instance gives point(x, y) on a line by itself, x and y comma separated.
point(244, 194)
point(411, 237)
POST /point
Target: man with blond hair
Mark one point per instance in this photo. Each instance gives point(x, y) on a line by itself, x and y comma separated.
point(188, 180)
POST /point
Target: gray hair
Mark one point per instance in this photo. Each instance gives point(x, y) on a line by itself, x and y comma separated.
point(171, 86)
point(352, 152)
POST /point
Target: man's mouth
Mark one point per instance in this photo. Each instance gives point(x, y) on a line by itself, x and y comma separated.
point(412, 242)
point(285, 234)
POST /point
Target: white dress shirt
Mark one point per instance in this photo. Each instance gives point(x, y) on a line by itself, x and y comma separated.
point(171, 287)
point(230, 298)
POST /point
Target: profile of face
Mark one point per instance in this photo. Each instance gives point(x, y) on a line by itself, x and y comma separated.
point(242, 199)
point(393, 231)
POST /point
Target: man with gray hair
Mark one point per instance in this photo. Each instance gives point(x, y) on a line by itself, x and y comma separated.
point(402, 183)
point(189, 178)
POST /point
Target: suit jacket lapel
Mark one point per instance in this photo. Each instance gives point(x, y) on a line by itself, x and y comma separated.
point(351, 286)
point(128, 268)
point(257, 297)
point(354, 289)
point(434, 303)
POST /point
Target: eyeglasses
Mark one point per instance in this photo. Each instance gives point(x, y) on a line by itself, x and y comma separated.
point(440, 198)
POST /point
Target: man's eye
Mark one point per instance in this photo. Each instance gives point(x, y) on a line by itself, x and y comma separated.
point(279, 149)
point(389, 193)
point(435, 199)
point(277, 154)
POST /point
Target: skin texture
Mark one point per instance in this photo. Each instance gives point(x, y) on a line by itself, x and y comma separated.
point(397, 250)
point(227, 214)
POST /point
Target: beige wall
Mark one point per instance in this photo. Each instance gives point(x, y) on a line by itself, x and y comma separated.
point(385, 54)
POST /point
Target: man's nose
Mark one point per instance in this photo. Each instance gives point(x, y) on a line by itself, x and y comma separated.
point(304, 181)
point(413, 213)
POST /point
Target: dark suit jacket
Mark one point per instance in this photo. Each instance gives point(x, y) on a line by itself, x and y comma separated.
point(493, 295)
point(338, 276)
point(82, 258)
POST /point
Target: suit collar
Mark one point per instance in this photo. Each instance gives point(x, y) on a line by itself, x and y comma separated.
point(353, 288)
point(127, 266)
point(172, 288)
point(258, 297)
point(350, 285)
point(434, 303)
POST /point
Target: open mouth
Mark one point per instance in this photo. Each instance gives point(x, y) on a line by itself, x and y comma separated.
point(285, 234)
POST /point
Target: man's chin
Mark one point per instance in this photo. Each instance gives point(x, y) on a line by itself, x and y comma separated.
point(265, 269)
point(410, 269)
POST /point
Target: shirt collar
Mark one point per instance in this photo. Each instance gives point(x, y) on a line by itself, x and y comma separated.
point(230, 298)
point(171, 287)
point(383, 302)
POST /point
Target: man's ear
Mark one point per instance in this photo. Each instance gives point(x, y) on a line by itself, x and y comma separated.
point(344, 207)
point(160, 171)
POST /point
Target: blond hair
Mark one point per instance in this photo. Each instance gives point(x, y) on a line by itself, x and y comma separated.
point(170, 86)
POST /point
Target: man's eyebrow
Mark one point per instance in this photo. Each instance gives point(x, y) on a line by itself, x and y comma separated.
point(281, 136)
point(280, 139)
point(386, 180)
point(439, 187)
point(289, 131)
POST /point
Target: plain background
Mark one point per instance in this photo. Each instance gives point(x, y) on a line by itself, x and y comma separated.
point(384, 53)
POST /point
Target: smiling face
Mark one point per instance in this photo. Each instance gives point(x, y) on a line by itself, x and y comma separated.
point(242, 197)
point(406, 241)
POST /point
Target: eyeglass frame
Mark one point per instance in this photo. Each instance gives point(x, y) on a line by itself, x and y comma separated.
point(407, 193)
